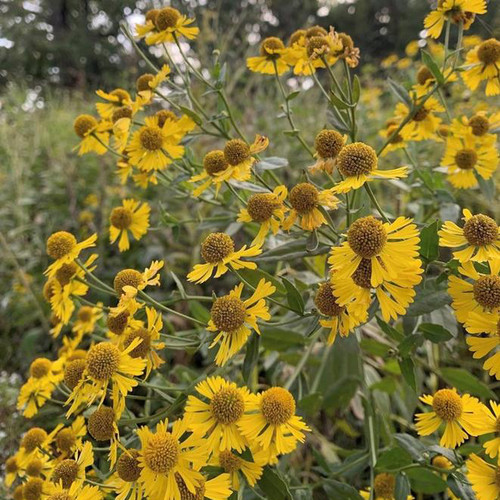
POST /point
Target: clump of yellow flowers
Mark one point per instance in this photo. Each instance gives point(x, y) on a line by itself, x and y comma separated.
point(289, 280)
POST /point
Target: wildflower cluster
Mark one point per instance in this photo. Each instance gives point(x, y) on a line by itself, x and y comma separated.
point(315, 261)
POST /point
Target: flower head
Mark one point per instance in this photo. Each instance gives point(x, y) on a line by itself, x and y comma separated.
point(483, 64)
point(328, 144)
point(484, 478)
point(273, 57)
point(131, 216)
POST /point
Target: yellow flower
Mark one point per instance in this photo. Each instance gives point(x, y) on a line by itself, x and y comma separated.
point(217, 250)
point(384, 485)
point(34, 443)
point(71, 472)
point(267, 210)
point(388, 246)
point(63, 248)
point(86, 492)
point(271, 422)
point(479, 125)
point(484, 345)
point(231, 317)
point(461, 415)
point(491, 425)
point(94, 135)
point(479, 236)
point(166, 25)
point(147, 83)
point(150, 337)
point(468, 155)
point(424, 123)
point(70, 438)
point(426, 80)
point(166, 455)
point(397, 142)
point(131, 216)
point(483, 478)
point(328, 144)
point(216, 420)
point(482, 64)
point(125, 480)
point(86, 318)
point(102, 426)
point(234, 464)
point(358, 163)
point(480, 293)
point(272, 59)
point(217, 488)
point(458, 11)
point(117, 98)
point(342, 319)
point(11, 470)
point(214, 163)
point(107, 365)
point(306, 201)
point(153, 147)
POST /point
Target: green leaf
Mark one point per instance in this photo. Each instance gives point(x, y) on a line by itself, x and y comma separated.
point(338, 102)
point(435, 333)
point(272, 163)
point(424, 481)
point(400, 92)
point(341, 393)
point(293, 297)
point(464, 381)
point(392, 459)
point(292, 95)
point(387, 385)
point(389, 330)
point(198, 311)
point(429, 241)
point(311, 403)
point(374, 347)
point(427, 301)
point(290, 251)
point(408, 343)
point(402, 489)
point(412, 445)
point(408, 371)
point(356, 89)
point(336, 489)
point(251, 357)
point(487, 187)
point(276, 339)
point(460, 486)
point(273, 485)
point(255, 275)
point(428, 60)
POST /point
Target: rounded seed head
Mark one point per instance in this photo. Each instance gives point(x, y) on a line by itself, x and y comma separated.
point(447, 405)
point(384, 485)
point(73, 372)
point(487, 292)
point(277, 405)
point(317, 44)
point(270, 45)
point(214, 162)
point(347, 41)
point(163, 115)
point(236, 151)
point(489, 51)
point(11, 465)
point(167, 18)
point(441, 462)
point(40, 367)
point(121, 112)
point(77, 354)
point(85, 314)
point(121, 218)
point(328, 143)
point(33, 489)
point(34, 467)
point(102, 361)
point(304, 198)
point(143, 348)
point(64, 274)
point(18, 492)
point(227, 406)
point(48, 289)
point(398, 138)
point(261, 206)
point(60, 244)
point(363, 274)
point(199, 493)
point(127, 277)
point(228, 313)
point(296, 36)
point(33, 439)
point(83, 124)
point(66, 440)
point(479, 124)
point(424, 75)
point(481, 230)
point(466, 159)
point(325, 301)
point(229, 461)
point(118, 322)
point(367, 237)
point(122, 95)
point(151, 15)
point(101, 424)
point(128, 466)
point(66, 471)
point(357, 159)
point(316, 31)
point(421, 114)
point(142, 83)
point(161, 452)
point(151, 138)
point(216, 247)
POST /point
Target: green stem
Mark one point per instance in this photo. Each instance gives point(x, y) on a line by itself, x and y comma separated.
point(303, 359)
point(375, 202)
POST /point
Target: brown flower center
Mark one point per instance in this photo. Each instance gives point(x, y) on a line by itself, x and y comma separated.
point(66, 471)
point(60, 244)
point(236, 151)
point(33, 439)
point(84, 124)
point(421, 114)
point(481, 230)
point(277, 405)
point(269, 46)
point(101, 424)
point(367, 237)
point(447, 405)
point(103, 360)
point(214, 162)
point(328, 143)
point(65, 440)
point(143, 348)
point(261, 206)
point(40, 367)
point(384, 485)
point(121, 218)
point(363, 274)
point(487, 292)
point(304, 198)
point(466, 159)
point(216, 247)
point(127, 277)
point(489, 51)
point(228, 313)
point(161, 452)
point(73, 372)
point(65, 273)
point(357, 159)
point(325, 301)
point(142, 83)
point(229, 461)
point(167, 18)
point(227, 406)
point(479, 124)
point(151, 138)
point(128, 466)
